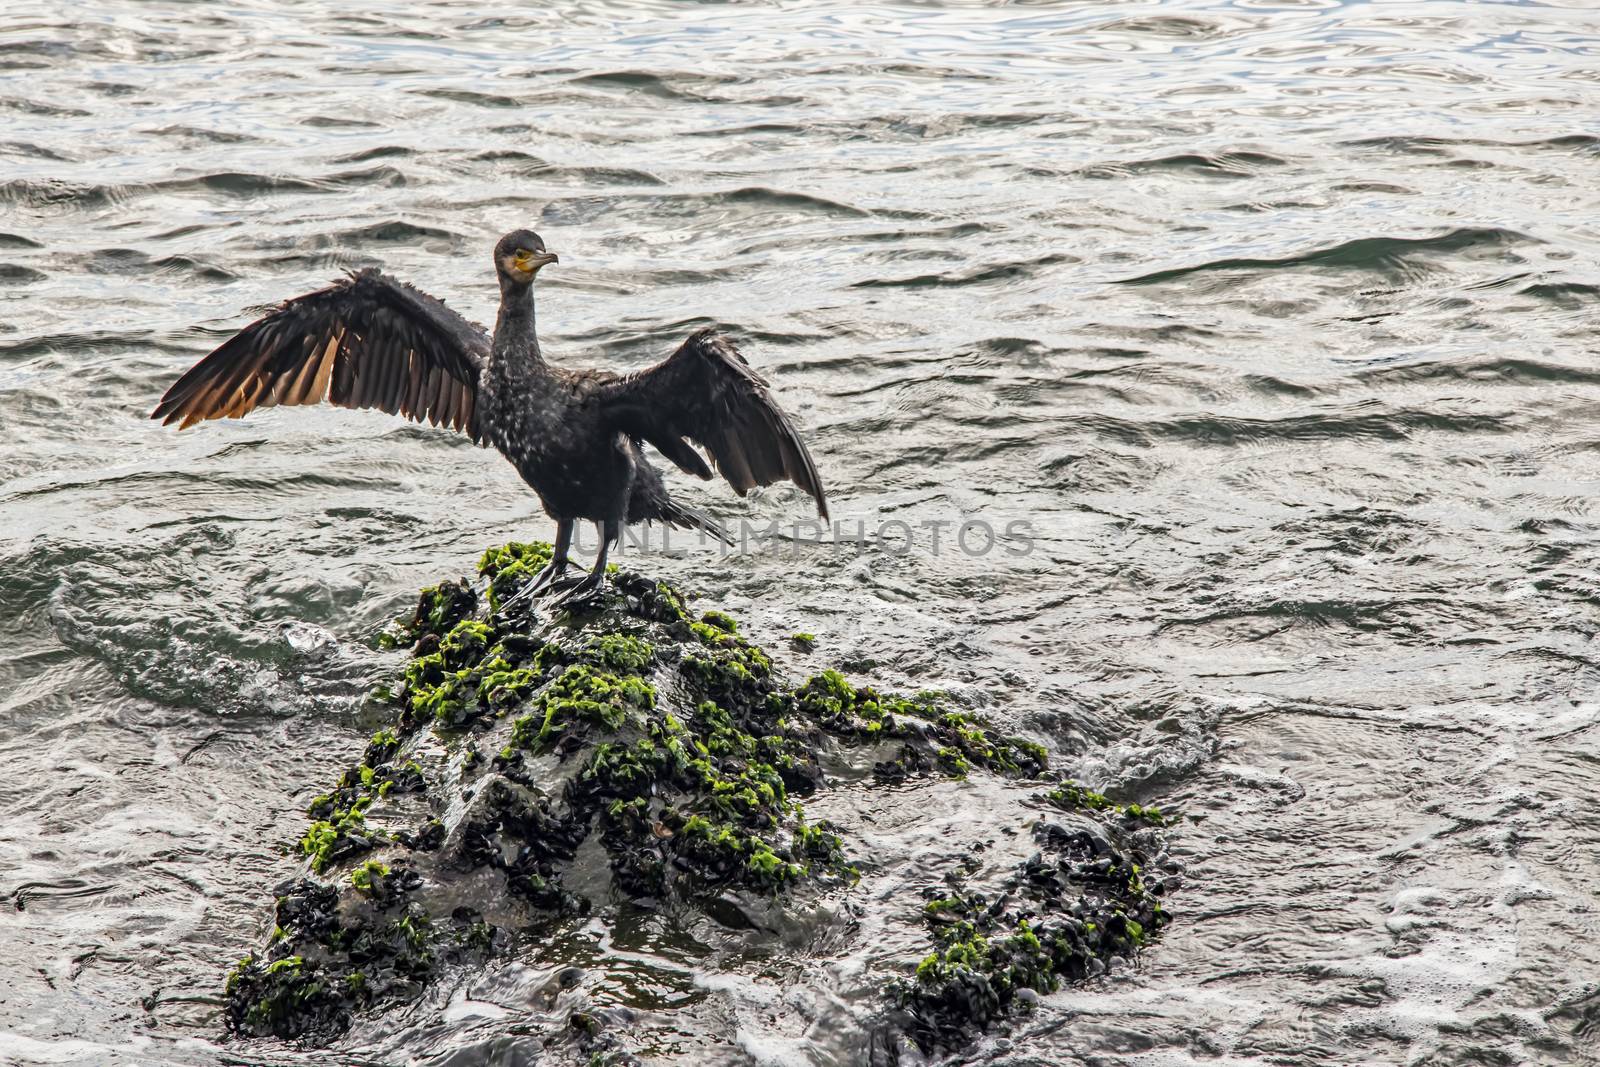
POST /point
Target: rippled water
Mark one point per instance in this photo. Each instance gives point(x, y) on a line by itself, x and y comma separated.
point(1276, 321)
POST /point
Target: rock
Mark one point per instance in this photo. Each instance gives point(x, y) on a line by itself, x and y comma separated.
point(540, 768)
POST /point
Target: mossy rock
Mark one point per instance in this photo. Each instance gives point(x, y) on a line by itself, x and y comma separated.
point(637, 756)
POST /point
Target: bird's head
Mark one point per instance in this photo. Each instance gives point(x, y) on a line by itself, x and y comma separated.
point(519, 255)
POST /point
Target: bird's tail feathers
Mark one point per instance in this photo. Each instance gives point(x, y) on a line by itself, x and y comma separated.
point(676, 515)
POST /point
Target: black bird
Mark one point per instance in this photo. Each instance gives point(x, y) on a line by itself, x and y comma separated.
point(575, 436)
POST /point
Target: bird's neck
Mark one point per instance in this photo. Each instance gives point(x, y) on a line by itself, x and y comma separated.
point(515, 337)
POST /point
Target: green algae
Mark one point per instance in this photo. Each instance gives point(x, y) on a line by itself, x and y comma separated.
point(623, 653)
point(283, 997)
point(368, 878)
point(326, 962)
point(338, 830)
point(673, 742)
point(956, 740)
point(720, 620)
point(1078, 902)
point(438, 609)
point(508, 567)
point(1071, 796)
point(457, 681)
point(580, 697)
point(344, 833)
point(383, 744)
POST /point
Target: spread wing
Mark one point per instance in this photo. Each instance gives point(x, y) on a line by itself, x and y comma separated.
point(706, 393)
point(366, 341)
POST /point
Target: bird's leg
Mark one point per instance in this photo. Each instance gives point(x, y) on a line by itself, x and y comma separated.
point(610, 533)
point(546, 579)
point(595, 583)
point(552, 571)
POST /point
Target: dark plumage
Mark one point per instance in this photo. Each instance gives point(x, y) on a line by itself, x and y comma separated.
point(575, 436)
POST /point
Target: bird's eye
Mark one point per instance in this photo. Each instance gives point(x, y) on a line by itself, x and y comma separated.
point(523, 253)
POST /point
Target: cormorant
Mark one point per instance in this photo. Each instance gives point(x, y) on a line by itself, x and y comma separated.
point(575, 436)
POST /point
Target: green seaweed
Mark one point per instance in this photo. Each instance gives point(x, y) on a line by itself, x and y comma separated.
point(369, 876)
point(287, 997)
point(508, 567)
point(438, 609)
point(1071, 796)
point(619, 652)
point(581, 696)
point(720, 620)
point(343, 833)
point(1076, 903)
point(383, 745)
point(953, 741)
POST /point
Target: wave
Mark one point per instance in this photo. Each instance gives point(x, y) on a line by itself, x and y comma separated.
point(1434, 146)
point(240, 183)
point(339, 122)
point(467, 96)
point(1563, 294)
point(526, 164)
point(395, 230)
point(88, 340)
point(17, 274)
point(197, 133)
point(54, 192)
point(1507, 370)
point(1241, 164)
point(388, 151)
point(1226, 431)
point(24, 106)
point(1377, 254)
point(30, 151)
point(996, 272)
point(196, 268)
point(665, 87)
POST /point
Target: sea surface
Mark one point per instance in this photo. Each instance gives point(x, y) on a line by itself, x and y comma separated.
point(1264, 336)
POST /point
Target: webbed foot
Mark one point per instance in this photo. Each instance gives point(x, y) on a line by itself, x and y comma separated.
point(587, 591)
point(550, 578)
point(543, 582)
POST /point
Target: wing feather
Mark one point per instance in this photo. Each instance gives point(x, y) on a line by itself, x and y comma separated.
point(433, 394)
point(707, 394)
point(366, 341)
point(459, 410)
point(377, 369)
point(324, 375)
